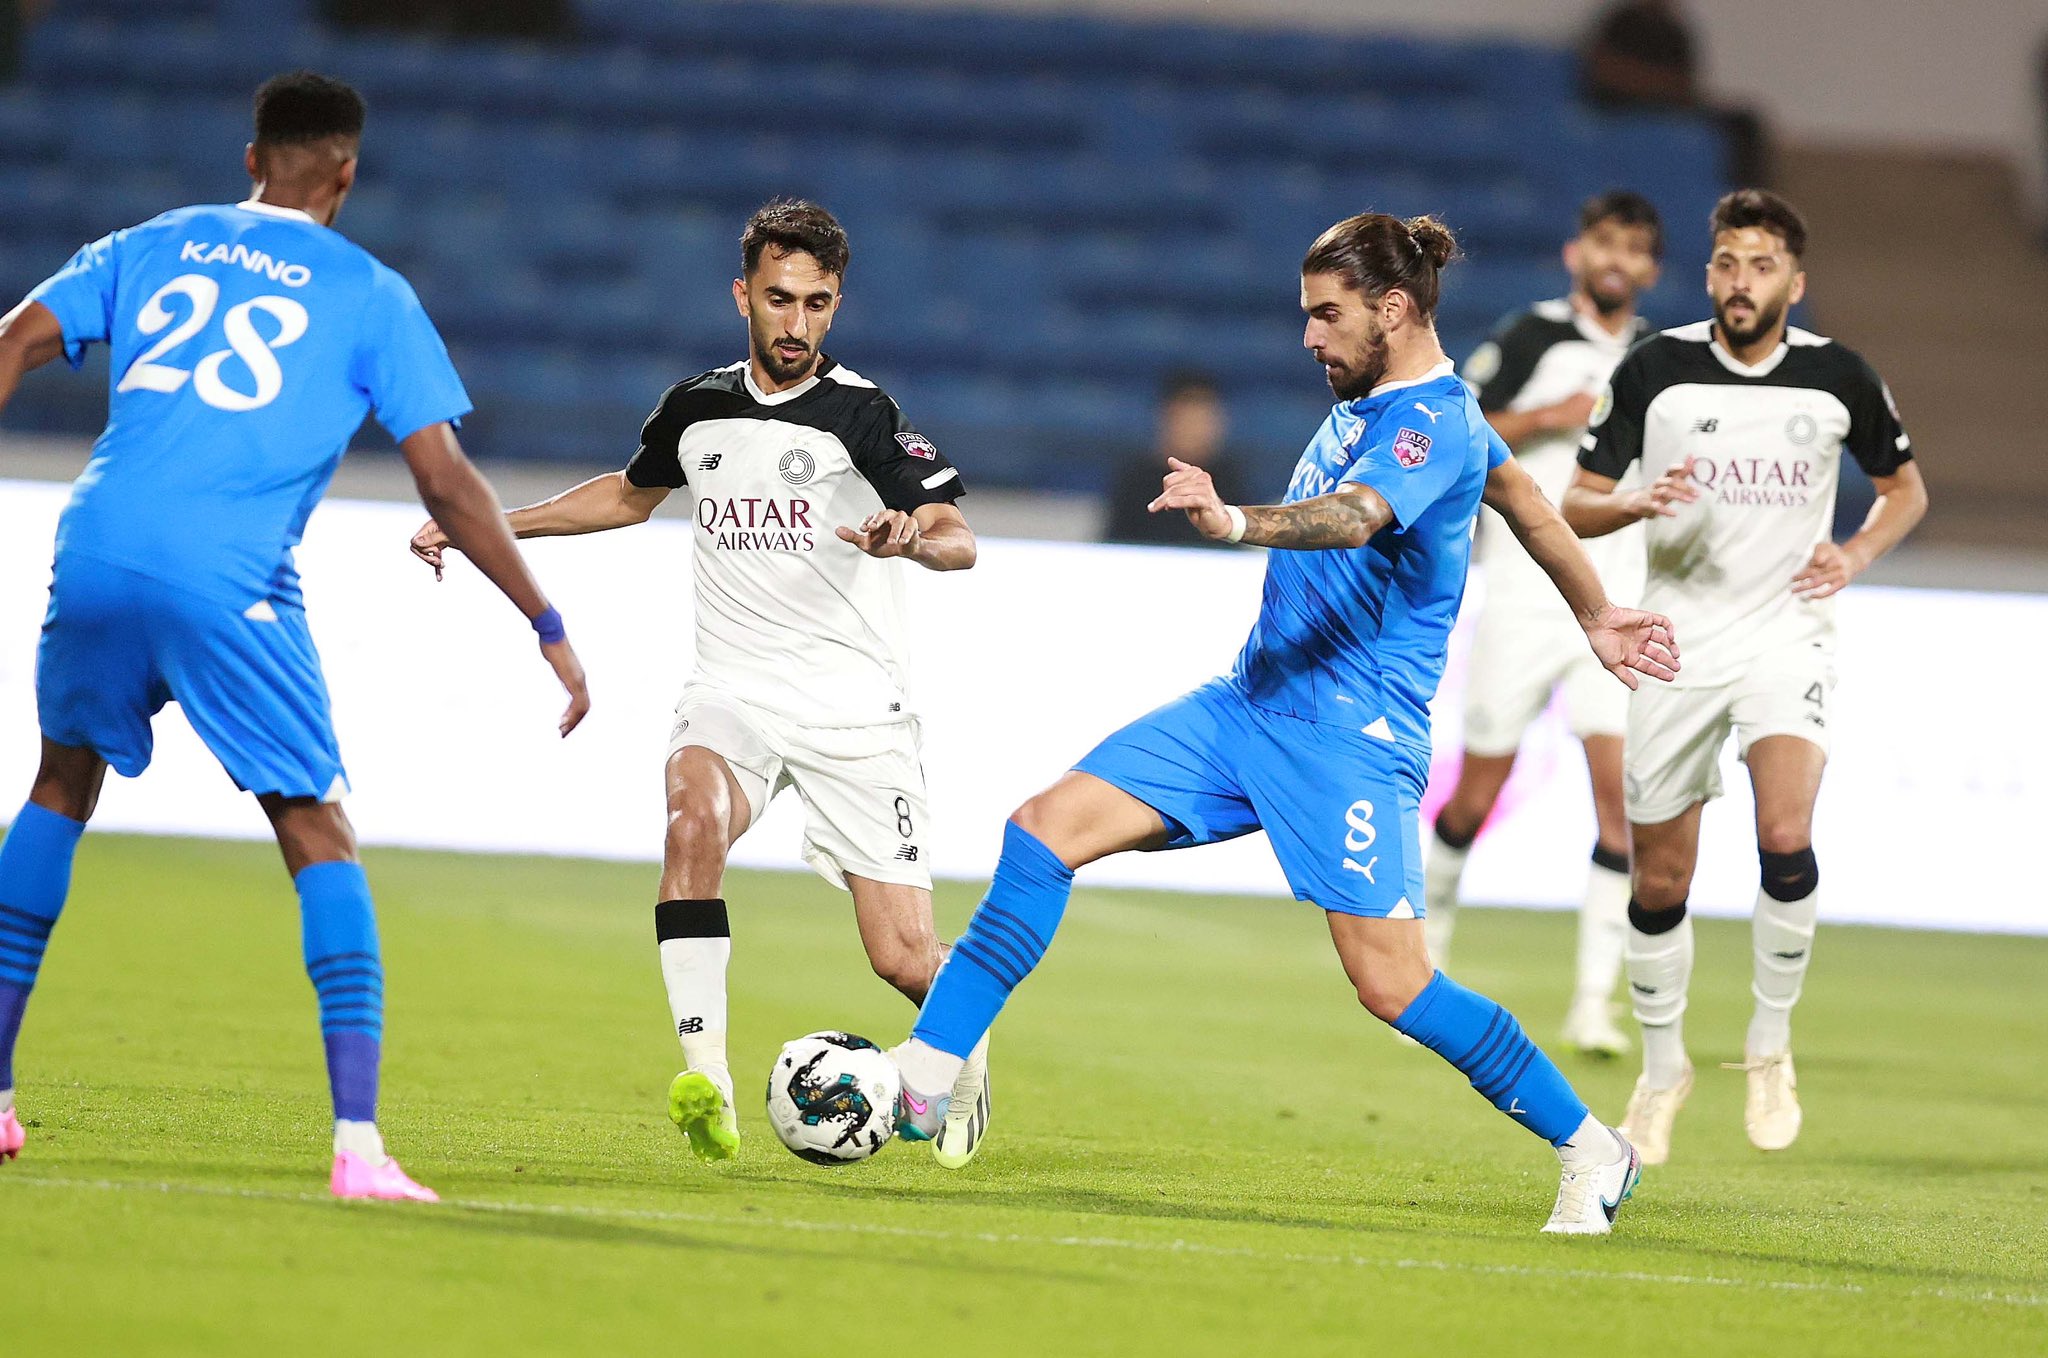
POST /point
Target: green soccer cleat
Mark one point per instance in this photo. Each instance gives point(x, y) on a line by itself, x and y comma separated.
point(700, 1105)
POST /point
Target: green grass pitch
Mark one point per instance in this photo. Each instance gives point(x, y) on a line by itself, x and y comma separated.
point(1201, 1143)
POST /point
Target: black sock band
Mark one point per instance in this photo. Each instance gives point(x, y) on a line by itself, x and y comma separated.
point(1604, 857)
point(1451, 841)
point(1790, 876)
point(1654, 922)
point(690, 919)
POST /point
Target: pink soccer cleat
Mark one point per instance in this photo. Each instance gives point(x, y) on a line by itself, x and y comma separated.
point(12, 1137)
point(355, 1177)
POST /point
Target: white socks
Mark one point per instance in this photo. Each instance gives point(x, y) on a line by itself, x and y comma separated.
point(1603, 933)
point(928, 1070)
point(1440, 898)
point(693, 970)
point(362, 1138)
point(1594, 1144)
point(1781, 936)
point(1659, 972)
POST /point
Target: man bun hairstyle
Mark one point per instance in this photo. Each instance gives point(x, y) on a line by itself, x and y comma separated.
point(1374, 253)
point(788, 225)
point(302, 107)
point(1761, 208)
point(1624, 207)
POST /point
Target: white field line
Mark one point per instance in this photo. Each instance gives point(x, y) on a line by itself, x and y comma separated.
point(1193, 1248)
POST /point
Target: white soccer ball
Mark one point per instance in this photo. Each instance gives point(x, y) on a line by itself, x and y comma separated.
point(832, 1097)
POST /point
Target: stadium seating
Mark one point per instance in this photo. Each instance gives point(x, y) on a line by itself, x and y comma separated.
point(1047, 212)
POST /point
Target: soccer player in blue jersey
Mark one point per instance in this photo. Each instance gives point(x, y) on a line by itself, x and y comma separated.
point(248, 343)
point(1320, 735)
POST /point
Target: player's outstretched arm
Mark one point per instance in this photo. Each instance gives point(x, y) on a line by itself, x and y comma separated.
point(29, 337)
point(1628, 641)
point(466, 513)
point(1346, 517)
point(1517, 427)
point(935, 536)
point(1901, 504)
point(601, 503)
point(1595, 507)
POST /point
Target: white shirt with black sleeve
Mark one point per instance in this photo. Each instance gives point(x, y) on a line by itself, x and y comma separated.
point(788, 616)
point(1767, 442)
point(1537, 358)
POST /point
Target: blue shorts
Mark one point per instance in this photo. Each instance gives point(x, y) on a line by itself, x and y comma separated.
point(118, 645)
point(1343, 809)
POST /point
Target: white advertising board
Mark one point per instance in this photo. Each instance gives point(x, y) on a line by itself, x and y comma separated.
point(446, 716)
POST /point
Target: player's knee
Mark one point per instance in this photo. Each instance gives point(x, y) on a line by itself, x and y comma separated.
point(1661, 885)
point(1043, 818)
point(695, 831)
point(70, 787)
point(1385, 998)
point(1784, 834)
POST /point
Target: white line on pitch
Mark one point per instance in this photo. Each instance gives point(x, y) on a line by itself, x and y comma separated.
point(1078, 1242)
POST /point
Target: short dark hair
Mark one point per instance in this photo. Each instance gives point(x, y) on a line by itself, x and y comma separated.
point(301, 107)
point(1375, 253)
point(1761, 208)
point(788, 225)
point(1623, 207)
point(1185, 382)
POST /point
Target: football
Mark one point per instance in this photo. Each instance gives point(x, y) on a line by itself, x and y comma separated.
point(832, 1098)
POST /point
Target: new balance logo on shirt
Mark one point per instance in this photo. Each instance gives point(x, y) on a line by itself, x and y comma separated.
point(1706, 426)
point(710, 462)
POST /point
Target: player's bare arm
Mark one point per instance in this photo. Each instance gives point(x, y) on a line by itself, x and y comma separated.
point(1517, 427)
point(937, 537)
point(1346, 517)
point(1595, 506)
point(601, 503)
point(467, 516)
point(1901, 504)
point(29, 337)
point(1627, 641)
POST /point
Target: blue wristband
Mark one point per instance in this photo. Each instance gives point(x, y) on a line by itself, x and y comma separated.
point(549, 625)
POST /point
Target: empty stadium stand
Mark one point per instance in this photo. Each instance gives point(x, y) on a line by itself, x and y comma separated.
point(1047, 213)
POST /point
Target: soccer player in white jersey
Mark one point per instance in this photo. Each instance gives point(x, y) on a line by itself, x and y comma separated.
point(809, 485)
point(1536, 380)
point(1745, 421)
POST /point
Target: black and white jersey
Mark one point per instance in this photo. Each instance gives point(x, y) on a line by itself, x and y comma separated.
point(1537, 358)
point(1767, 444)
point(788, 616)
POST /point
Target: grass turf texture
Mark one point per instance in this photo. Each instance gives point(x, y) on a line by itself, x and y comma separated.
point(1200, 1142)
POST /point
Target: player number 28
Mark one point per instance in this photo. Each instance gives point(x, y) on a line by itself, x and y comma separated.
point(244, 342)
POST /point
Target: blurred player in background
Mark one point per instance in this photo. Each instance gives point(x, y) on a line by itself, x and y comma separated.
point(809, 484)
point(1320, 735)
point(248, 342)
point(1745, 420)
point(1536, 379)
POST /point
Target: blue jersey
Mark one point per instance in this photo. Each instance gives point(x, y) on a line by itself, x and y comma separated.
point(248, 344)
point(1358, 638)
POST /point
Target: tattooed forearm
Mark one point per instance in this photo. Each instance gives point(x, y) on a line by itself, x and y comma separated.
point(1343, 519)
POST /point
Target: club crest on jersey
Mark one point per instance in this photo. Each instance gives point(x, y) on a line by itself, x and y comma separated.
point(797, 466)
point(1411, 447)
point(917, 445)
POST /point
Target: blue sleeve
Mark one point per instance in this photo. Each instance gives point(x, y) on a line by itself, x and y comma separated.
point(81, 296)
point(1408, 464)
point(403, 364)
point(1497, 451)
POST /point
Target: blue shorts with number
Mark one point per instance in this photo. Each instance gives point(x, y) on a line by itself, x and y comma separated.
point(1342, 808)
point(117, 645)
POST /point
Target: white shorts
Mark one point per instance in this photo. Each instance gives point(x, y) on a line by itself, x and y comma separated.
point(1675, 735)
point(862, 786)
point(1518, 658)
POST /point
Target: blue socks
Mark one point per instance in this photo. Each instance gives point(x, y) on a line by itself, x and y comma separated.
point(340, 935)
point(1006, 938)
point(35, 877)
point(1486, 1044)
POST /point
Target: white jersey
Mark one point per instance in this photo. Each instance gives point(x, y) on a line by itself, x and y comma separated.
point(1534, 359)
point(790, 618)
point(1767, 443)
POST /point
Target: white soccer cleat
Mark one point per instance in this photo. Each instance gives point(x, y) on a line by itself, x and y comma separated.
point(1589, 1199)
point(1590, 1029)
point(966, 1121)
point(1647, 1123)
point(1771, 1115)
